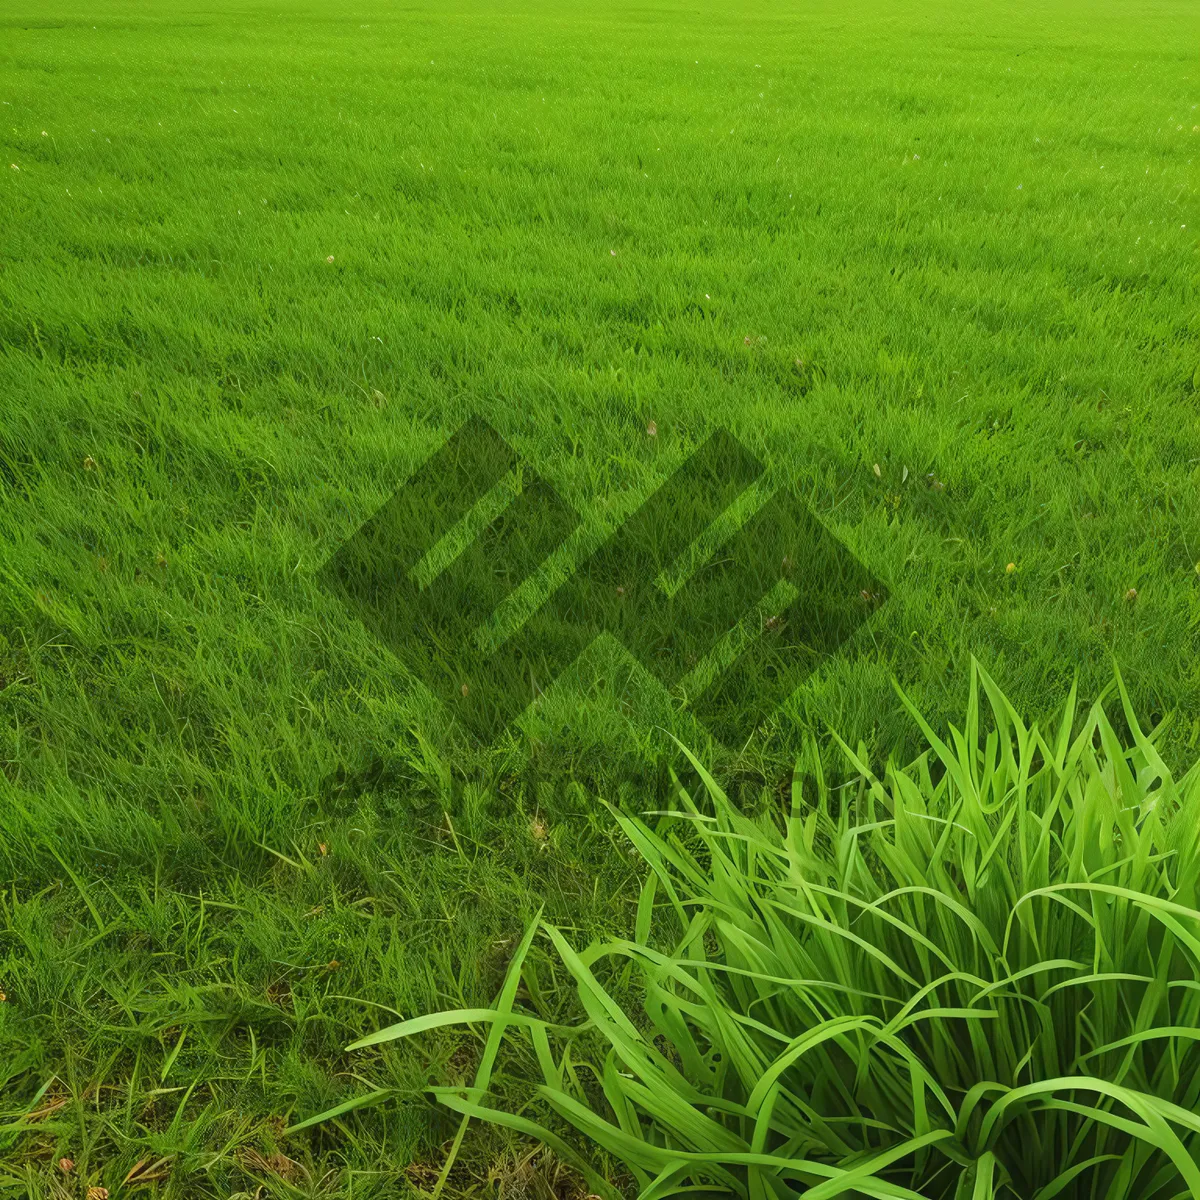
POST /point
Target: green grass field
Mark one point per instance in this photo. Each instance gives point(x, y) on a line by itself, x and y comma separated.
point(258, 262)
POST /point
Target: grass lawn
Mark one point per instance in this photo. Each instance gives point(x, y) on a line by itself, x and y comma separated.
point(934, 265)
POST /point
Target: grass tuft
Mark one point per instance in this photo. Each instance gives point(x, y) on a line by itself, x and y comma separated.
point(984, 984)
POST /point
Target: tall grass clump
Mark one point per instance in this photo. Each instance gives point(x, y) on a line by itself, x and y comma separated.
point(978, 976)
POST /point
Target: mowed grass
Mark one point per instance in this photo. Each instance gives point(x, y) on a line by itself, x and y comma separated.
point(223, 838)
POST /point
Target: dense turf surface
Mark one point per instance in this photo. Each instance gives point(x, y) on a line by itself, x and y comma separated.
point(956, 245)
